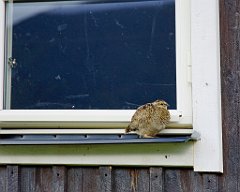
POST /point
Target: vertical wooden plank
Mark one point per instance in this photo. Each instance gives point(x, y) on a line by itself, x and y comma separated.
point(44, 179)
point(91, 179)
point(28, 179)
point(182, 180)
point(59, 183)
point(75, 179)
point(105, 179)
point(197, 182)
point(3, 178)
point(156, 179)
point(210, 183)
point(122, 180)
point(172, 182)
point(143, 179)
point(230, 67)
point(186, 178)
point(13, 184)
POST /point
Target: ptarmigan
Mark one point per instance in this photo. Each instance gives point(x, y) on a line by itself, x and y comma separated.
point(149, 119)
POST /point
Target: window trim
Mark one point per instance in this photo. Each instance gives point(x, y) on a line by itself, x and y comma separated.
point(206, 90)
point(180, 117)
point(2, 33)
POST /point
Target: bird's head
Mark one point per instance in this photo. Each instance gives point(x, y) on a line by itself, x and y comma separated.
point(161, 103)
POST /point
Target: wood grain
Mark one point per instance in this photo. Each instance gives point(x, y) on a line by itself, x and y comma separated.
point(230, 73)
point(44, 178)
point(13, 183)
point(143, 179)
point(172, 181)
point(28, 179)
point(156, 179)
point(59, 183)
point(91, 179)
point(122, 180)
point(75, 179)
point(3, 176)
point(105, 179)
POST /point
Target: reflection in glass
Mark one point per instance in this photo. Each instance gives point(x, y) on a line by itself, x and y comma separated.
point(102, 55)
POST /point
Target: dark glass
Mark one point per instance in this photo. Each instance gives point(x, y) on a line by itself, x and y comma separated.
point(96, 55)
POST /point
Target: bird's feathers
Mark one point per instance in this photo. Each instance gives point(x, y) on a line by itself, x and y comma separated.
point(149, 119)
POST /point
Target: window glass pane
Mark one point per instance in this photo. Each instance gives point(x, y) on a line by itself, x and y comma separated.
point(91, 54)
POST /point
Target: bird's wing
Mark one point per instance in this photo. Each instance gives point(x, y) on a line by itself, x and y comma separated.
point(143, 111)
point(163, 115)
point(141, 117)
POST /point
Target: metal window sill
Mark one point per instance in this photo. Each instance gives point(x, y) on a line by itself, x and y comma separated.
point(36, 139)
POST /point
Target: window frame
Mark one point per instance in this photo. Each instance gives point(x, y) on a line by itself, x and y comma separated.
point(204, 70)
point(206, 82)
point(181, 117)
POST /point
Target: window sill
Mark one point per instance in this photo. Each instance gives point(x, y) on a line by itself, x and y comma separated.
point(148, 154)
point(89, 139)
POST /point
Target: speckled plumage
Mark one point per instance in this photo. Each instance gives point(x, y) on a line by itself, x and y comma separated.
point(149, 119)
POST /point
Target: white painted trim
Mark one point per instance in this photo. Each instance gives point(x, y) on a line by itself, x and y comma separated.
point(206, 85)
point(171, 154)
point(8, 47)
point(74, 115)
point(183, 55)
point(2, 27)
point(75, 118)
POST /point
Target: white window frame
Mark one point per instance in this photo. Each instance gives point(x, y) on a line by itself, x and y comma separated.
point(200, 56)
point(206, 79)
point(111, 118)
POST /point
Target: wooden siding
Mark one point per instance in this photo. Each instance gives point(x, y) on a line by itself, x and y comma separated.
point(123, 179)
point(117, 179)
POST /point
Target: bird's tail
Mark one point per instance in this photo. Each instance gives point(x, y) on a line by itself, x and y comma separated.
point(127, 129)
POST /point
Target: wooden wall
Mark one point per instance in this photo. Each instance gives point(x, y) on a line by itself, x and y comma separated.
point(91, 179)
point(99, 179)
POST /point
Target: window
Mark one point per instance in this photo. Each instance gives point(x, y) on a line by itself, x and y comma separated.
point(74, 55)
point(100, 59)
point(90, 64)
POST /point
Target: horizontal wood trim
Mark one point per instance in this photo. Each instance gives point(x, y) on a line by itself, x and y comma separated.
point(171, 154)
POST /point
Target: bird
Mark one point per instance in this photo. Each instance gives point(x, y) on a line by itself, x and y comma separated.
point(149, 119)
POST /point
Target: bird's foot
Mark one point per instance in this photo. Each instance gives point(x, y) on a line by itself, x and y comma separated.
point(147, 136)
